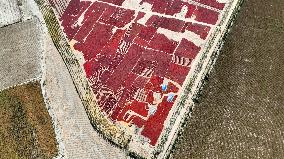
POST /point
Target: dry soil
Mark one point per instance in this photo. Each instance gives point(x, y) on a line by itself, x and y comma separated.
point(241, 111)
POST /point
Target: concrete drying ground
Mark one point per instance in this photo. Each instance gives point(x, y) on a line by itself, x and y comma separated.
point(241, 111)
point(240, 114)
point(127, 55)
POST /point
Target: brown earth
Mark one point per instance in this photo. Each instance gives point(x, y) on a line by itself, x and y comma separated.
point(241, 111)
point(26, 129)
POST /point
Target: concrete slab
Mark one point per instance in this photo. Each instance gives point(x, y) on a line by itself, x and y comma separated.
point(19, 56)
point(9, 12)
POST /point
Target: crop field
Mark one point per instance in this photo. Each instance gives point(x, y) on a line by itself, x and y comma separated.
point(26, 130)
